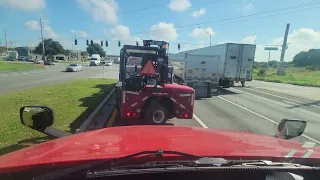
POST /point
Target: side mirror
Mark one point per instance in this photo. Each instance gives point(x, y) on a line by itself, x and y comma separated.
point(289, 129)
point(36, 117)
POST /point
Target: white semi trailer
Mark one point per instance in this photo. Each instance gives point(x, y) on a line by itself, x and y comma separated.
point(235, 61)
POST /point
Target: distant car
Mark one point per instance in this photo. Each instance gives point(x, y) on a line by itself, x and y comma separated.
point(109, 63)
point(48, 63)
point(23, 58)
point(38, 62)
point(74, 68)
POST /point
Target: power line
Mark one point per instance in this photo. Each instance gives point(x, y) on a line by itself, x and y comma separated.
point(193, 7)
point(238, 17)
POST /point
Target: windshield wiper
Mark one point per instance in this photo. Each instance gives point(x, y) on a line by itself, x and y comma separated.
point(204, 162)
point(112, 162)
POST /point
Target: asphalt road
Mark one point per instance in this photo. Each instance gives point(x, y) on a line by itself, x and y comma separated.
point(50, 75)
point(256, 110)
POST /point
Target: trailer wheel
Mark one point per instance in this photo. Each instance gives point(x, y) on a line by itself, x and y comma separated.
point(243, 83)
point(156, 114)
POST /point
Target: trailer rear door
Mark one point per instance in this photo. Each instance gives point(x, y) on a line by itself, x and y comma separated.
point(232, 61)
point(202, 68)
point(246, 63)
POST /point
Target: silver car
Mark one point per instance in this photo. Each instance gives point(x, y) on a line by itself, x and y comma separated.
point(74, 68)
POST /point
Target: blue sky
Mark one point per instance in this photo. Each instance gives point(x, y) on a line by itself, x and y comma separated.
point(173, 20)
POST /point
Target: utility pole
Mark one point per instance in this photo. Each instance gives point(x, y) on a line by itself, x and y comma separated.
point(281, 70)
point(43, 52)
point(5, 36)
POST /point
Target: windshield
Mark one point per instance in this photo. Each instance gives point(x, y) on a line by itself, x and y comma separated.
point(220, 78)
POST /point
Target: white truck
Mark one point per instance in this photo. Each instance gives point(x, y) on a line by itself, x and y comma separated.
point(95, 60)
point(236, 62)
point(199, 72)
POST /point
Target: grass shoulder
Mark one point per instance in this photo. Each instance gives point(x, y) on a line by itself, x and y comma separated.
point(293, 75)
point(72, 103)
point(17, 66)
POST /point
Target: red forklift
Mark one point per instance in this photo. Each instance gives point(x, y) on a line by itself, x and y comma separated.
point(146, 90)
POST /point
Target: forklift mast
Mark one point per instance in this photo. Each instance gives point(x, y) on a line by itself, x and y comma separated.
point(159, 59)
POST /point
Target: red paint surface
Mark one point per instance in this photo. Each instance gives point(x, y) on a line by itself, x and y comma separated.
point(121, 141)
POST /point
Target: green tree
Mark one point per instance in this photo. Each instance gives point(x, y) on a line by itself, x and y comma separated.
point(96, 49)
point(84, 53)
point(309, 58)
point(51, 48)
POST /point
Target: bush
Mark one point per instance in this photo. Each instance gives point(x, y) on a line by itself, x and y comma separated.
point(310, 68)
point(262, 72)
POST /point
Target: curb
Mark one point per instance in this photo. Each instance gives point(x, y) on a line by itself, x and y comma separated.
point(89, 120)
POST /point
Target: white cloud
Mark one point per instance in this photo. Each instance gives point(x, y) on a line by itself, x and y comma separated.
point(179, 5)
point(163, 31)
point(299, 40)
point(248, 6)
point(27, 5)
point(202, 32)
point(48, 32)
point(123, 34)
point(79, 33)
point(249, 39)
point(101, 10)
point(201, 12)
point(32, 25)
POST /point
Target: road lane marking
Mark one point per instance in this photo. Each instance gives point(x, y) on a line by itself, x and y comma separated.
point(280, 103)
point(268, 119)
point(283, 98)
point(199, 121)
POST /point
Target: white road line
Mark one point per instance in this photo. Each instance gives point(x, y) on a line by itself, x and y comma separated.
point(280, 103)
point(282, 97)
point(268, 119)
point(4, 75)
point(199, 121)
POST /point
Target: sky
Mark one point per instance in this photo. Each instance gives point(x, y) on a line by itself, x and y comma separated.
point(187, 22)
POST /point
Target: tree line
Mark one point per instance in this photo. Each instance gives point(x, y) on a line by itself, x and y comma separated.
point(52, 48)
point(309, 59)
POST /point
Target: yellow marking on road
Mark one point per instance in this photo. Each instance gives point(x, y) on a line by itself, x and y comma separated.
point(112, 118)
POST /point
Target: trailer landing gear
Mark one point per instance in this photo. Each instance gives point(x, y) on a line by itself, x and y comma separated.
point(243, 83)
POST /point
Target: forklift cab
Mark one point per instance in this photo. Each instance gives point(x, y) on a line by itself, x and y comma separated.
point(144, 65)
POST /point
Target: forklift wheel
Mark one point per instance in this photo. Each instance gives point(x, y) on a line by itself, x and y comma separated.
point(156, 114)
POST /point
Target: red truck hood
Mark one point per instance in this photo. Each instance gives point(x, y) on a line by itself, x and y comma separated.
point(121, 141)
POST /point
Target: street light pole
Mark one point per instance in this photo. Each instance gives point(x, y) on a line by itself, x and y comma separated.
point(206, 32)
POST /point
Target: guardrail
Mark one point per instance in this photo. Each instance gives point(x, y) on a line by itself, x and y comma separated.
point(105, 109)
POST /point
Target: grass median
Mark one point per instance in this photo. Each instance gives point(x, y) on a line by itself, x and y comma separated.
point(17, 66)
point(72, 103)
point(296, 76)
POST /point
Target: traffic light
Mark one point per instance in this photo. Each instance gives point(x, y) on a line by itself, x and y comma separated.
point(101, 43)
point(107, 43)
point(119, 44)
point(178, 46)
point(75, 42)
point(91, 42)
point(87, 42)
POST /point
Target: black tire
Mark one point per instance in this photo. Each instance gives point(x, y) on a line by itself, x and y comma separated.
point(243, 83)
point(156, 114)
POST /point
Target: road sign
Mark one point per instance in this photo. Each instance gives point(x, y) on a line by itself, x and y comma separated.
point(271, 48)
